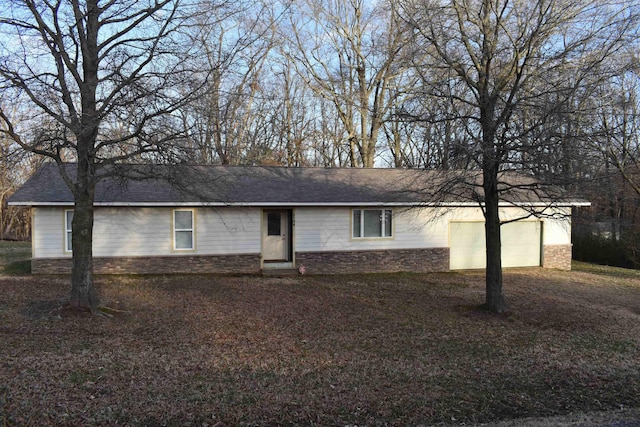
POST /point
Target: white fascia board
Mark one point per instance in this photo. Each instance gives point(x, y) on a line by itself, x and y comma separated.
point(339, 204)
point(40, 203)
point(308, 204)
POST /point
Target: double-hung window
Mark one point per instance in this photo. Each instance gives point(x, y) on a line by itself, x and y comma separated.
point(372, 223)
point(183, 230)
point(68, 219)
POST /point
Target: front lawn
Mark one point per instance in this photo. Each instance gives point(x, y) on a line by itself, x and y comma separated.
point(398, 349)
point(15, 257)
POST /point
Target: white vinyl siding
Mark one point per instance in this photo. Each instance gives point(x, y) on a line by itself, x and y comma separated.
point(132, 231)
point(329, 229)
point(325, 229)
point(228, 231)
point(183, 230)
point(136, 231)
point(557, 231)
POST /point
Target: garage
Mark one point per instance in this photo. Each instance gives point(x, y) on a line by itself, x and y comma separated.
point(521, 244)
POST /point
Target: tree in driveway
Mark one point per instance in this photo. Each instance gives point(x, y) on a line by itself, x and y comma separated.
point(96, 83)
point(518, 61)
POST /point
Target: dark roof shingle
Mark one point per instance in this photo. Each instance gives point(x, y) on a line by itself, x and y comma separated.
point(263, 185)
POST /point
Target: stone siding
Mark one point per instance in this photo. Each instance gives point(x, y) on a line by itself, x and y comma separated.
point(336, 262)
point(347, 262)
point(225, 264)
point(556, 256)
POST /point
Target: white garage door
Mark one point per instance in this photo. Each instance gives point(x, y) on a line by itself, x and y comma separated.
point(520, 244)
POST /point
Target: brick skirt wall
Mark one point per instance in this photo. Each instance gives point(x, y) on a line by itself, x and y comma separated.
point(337, 262)
point(248, 263)
point(556, 256)
point(346, 262)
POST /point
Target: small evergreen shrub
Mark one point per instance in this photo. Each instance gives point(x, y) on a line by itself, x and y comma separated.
point(624, 253)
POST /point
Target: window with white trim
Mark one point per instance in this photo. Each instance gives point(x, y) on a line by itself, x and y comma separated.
point(68, 220)
point(372, 223)
point(183, 230)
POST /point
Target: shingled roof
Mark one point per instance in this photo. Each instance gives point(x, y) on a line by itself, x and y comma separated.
point(182, 185)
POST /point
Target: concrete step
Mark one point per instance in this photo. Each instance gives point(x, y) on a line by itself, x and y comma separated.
point(280, 272)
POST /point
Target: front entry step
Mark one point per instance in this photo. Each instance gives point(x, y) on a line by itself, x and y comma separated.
point(279, 272)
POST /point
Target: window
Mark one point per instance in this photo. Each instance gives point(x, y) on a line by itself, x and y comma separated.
point(183, 230)
point(369, 223)
point(274, 220)
point(68, 219)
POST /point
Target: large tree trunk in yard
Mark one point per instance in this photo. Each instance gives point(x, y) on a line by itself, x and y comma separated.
point(82, 290)
point(495, 301)
point(83, 295)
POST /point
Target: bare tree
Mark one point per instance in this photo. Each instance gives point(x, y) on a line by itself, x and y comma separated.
point(349, 53)
point(234, 40)
point(90, 68)
point(16, 166)
point(509, 55)
point(619, 124)
point(612, 134)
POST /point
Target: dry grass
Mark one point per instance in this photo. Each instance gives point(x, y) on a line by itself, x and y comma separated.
point(369, 350)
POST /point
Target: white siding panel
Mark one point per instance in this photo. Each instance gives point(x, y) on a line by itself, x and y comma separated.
point(136, 231)
point(558, 231)
point(329, 229)
point(228, 231)
point(48, 233)
point(148, 232)
point(132, 232)
point(420, 228)
point(322, 229)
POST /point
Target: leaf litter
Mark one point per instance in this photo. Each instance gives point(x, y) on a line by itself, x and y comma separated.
point(395, 349)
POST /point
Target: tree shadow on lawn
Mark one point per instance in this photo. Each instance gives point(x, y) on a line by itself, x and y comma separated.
point(390, 350)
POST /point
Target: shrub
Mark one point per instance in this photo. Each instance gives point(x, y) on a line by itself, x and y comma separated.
point(607, 251)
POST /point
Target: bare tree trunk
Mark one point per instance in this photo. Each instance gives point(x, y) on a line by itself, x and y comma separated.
point(83, 295)
point(494, 299)
point(82, 292)
point(60, 84)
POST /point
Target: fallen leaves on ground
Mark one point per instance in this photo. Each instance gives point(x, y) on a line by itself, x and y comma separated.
point(397, 349)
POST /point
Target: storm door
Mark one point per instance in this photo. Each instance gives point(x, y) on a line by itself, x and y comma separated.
point(276, 235)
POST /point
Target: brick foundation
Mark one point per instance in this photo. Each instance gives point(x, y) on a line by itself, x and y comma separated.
point(343, 262)
point(338, 262)
point(556, 256)
point(224, 264)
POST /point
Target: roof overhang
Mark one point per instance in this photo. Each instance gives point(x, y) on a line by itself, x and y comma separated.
point(558, 204)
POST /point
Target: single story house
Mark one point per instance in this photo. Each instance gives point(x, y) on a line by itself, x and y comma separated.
point(246, 219)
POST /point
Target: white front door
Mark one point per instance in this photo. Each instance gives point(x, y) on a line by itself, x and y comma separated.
point(275, 235)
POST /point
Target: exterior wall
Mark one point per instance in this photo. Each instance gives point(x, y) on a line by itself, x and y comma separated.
point(136, 232)
point(556, 241)
point(220, 264)
point(349, 262)
point(557, 231)
point(228, 240)
point(329, 229)
point(557, 256)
